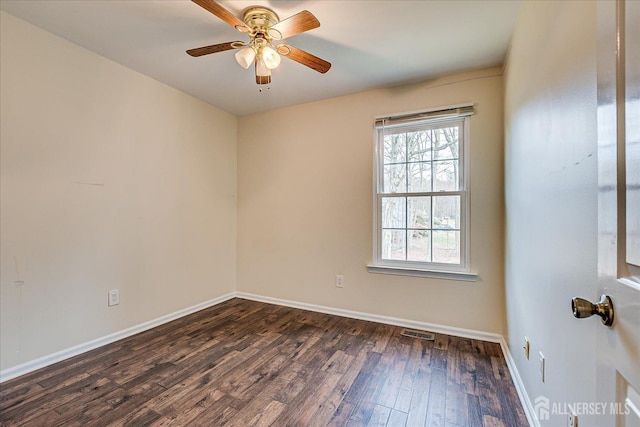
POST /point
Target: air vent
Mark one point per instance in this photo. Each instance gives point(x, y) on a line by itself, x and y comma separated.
point(418, 334)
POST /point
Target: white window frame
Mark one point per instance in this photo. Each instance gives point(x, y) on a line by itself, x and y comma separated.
point(459, 115)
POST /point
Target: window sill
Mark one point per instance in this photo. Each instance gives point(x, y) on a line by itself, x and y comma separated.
point(435, 274)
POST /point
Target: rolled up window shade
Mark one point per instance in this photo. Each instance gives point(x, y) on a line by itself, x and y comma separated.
point(425, 116)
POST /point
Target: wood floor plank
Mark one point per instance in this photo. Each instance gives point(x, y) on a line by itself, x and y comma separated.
point(512, 411)
point(342, 414)
point(489, 421)
point(441, 341)
point(500, 370)
point(469, 371)
point(262, 409)
point(246, 363)
point(397, 362)
point(439, 358)
point(419, 356)
point(66, 391)
point(215, 412)
point(68, 367)
point(487, 388)
point(143, 420)
point(17, 395)
point(117, 410)
point(361, 414)
point(382, 335)
point(374, 386)
point(187, 410)
point(379, 416)
point(266, 417)
point(197, 390)
point(325, 413)
point(474, 413)
point(307, 400)
point(456, 405)
point(397, 419)
point(353, 396)
point(50, 418)
point(436, 408)
point(99, 390)
point(420, 397)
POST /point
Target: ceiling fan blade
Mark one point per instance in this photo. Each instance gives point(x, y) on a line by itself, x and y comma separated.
point(206, 50)
point(305, 58)
point(222, 13)
point(296, 24)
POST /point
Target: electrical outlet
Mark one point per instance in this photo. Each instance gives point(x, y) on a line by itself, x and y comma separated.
point(526, 347)
point(541, 358)
point(572, 421)
point(114, 297)
point(339, 281)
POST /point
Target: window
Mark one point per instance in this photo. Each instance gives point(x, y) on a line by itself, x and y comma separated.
point(421, 200)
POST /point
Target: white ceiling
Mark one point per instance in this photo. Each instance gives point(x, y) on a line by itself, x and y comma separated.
point(371, 44)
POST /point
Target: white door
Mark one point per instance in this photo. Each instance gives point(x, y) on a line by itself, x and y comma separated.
point(618, 346)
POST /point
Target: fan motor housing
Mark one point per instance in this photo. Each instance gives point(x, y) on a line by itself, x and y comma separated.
point(260, 18)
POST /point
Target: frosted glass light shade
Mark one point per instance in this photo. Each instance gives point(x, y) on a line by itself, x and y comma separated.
point(245, 57)
point(263, 74)
point(261, 68)
point(270, 57)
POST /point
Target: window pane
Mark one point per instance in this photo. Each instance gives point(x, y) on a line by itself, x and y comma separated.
point(395, 148)
point(393, 212)
point(446, 212)
point(393, 244)
point(445, 144)
point(395, 179)
point(445, 176)
point(419, 218)
point(419, 146)
point(419, 214)
point(419, 177)
point(446, 246)
point(419, 246)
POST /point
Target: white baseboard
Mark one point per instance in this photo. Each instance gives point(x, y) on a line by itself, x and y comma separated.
point(517, 381)
point(413, 324)
point(50, 359)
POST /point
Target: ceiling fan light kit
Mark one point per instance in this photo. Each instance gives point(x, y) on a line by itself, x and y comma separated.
point(245, 57)
point(270, 57)
point(263, 26)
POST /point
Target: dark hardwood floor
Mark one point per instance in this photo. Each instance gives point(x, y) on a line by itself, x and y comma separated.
point(245, 363)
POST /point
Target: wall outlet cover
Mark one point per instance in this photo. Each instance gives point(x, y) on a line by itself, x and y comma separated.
point(114, 297)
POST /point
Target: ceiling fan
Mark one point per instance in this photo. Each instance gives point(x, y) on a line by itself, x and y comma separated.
point(264, 28)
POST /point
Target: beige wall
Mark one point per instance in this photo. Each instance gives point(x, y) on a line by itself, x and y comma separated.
point(109, 180)
point(113, 180)
point(305, 205)
point(551, 197)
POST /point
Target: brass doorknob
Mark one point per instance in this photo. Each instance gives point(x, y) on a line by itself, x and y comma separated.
point(603, 308)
